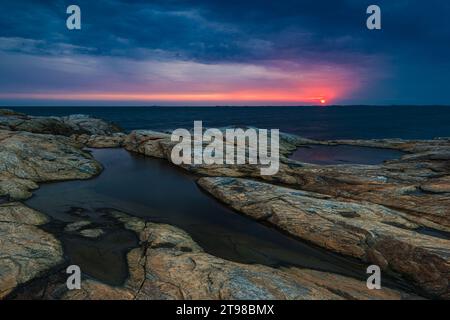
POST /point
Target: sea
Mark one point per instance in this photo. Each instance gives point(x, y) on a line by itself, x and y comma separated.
point(317, 122)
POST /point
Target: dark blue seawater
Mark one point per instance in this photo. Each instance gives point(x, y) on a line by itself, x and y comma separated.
point(349, 122)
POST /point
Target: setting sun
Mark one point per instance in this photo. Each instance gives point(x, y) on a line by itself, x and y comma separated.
point(323, 101)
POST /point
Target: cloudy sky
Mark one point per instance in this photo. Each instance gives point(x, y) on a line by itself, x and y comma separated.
point(228, 52)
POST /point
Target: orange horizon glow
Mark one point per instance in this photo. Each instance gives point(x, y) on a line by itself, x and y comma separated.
point(230, 97)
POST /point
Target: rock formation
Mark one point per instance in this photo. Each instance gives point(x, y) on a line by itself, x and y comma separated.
point(68, 125)
point(27, 159)
point(26, 252)
point(115, 140)
point(170, 265)
point(369, 232)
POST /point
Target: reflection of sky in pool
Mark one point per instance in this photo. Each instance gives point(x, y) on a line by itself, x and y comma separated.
point(344, 154)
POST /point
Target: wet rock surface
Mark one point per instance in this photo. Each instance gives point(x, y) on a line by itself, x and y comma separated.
point(27, 159)
point(27, 251)
point(84, 228)
point(76, 226)
point(92, 233)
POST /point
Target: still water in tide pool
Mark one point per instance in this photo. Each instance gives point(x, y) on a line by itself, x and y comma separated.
point(159, 192)
point(344, 154)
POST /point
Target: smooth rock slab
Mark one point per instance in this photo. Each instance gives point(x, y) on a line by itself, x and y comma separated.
point(27, 159)
point(26, 251)
point(363, 230)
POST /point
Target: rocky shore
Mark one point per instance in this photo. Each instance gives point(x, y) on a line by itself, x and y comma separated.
point(376, 213)
point(170, 265)
point(369, 232)
point(395, 215)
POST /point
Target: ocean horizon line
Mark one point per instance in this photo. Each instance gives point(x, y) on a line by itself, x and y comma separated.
point(225, 106)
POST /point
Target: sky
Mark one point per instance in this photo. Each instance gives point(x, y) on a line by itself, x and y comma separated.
point(228, 52)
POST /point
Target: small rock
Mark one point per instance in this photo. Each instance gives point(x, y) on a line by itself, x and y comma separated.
point(75, 226)
point(92, 233)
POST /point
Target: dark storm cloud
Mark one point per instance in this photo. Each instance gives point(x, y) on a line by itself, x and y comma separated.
point(415, 39)
point(234, 30)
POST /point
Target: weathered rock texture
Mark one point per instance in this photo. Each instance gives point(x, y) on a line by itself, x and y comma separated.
point(149, 143)
point(27, 159)
point(372, 212)
point(68, 125)
point(170, 265)
point(26, 252)
point(370, 232)
point(115, 140)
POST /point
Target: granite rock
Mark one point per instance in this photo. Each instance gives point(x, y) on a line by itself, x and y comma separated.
point(360, 229)
point(66, 125)
point(26, 251)
point(27, 159)
point(115, 140)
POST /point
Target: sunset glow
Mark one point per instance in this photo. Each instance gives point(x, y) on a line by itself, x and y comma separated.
point(214, 53)
point(225, 97)
point(175, 82)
